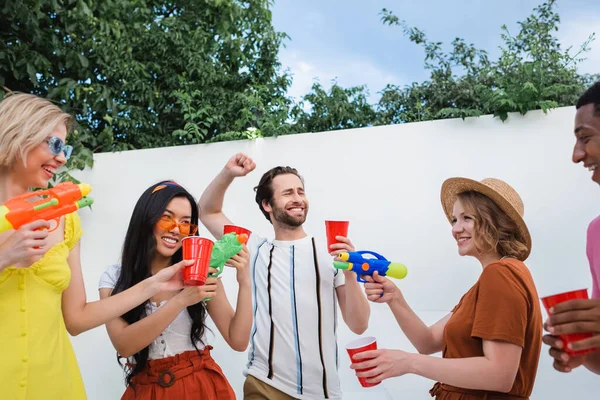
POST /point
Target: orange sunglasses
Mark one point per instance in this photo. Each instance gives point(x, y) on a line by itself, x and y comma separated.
point(168, 224)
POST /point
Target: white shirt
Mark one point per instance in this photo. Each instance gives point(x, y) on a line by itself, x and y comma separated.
point(293, 345)
point(173, 340)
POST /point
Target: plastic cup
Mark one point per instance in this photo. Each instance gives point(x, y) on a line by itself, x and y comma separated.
point(333, 229)
point(358, 346)
point(553, 300)
point(240, 231)
point(198, 249)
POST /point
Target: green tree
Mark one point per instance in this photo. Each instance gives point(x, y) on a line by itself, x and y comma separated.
point(147, 73)
point(339, 108)
point(533, 72)
point(151, 73)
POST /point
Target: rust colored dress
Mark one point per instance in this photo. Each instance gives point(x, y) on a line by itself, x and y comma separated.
point(503, 305)
point(186, 375)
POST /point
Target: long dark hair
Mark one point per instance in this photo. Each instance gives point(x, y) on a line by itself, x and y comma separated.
point(138, 251)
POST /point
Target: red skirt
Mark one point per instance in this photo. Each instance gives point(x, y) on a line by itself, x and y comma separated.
point(184, 376)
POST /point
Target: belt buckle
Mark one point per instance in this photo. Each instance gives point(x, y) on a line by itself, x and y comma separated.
point(161, 380)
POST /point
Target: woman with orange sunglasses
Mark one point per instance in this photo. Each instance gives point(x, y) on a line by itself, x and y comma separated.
point(42, 293)
point(164, 340)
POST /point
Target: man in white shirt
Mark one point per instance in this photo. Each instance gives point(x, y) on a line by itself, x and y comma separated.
point(293, 350)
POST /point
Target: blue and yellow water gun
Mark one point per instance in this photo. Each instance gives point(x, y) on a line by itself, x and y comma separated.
point(355, 262)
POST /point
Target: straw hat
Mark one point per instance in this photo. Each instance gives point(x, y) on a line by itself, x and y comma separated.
point(499, 191)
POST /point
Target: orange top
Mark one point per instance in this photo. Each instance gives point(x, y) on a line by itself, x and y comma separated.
point(503, 305)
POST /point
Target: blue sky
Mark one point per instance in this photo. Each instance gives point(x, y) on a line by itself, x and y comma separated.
point(345, 39)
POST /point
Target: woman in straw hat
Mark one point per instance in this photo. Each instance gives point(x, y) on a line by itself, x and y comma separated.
point(491, 339)
point(42, 293)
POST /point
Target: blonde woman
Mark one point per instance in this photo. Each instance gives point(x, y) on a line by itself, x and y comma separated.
point(491, 340)
point(42, 295)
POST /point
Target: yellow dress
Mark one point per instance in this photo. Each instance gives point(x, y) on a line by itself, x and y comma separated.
point(38, 361)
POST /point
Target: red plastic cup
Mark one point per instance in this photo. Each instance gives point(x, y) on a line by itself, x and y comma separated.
point(333, 229)
point(198, 249)
point(358, 346)
point(553, 300)
point(239, 230)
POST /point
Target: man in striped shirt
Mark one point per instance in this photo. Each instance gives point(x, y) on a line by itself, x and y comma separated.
point(296, 290)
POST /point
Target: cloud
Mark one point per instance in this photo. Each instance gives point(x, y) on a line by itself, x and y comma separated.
point(347, 70)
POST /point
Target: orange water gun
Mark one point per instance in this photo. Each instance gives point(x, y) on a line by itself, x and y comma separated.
point(49, 205)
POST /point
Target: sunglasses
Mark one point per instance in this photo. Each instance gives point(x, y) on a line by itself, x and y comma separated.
point(57, 146)
point(168, 224)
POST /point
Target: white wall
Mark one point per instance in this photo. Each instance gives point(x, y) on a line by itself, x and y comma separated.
point(386, 180)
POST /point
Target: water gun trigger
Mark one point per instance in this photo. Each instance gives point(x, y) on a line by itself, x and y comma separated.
point(55, 225)
point(219, 269)
point(51, 229)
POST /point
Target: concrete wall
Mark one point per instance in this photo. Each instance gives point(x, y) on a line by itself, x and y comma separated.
point(386, 181)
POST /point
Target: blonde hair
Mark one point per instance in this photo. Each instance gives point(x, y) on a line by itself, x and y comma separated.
point(496, 231)
point(25, 122)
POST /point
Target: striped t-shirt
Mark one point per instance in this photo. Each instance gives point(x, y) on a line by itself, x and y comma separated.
point(293, 345)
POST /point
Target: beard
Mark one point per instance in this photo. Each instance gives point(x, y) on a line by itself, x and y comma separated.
point(281, 216)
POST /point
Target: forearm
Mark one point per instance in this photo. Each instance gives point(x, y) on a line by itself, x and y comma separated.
point(241, 323)
point(141, 334)
point(211, 201)
point(85, 316)
point(357, 305)
point(414, 328)
point(477, 373)
point(592, 362)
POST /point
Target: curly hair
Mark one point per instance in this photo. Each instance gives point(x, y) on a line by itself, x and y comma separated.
point(590, 96)
point(495, 230)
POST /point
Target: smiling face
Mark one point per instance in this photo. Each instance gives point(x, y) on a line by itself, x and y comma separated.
point(40, 163)
point(289, 205)
point(463, 230)
point(168, 241)
point(587, 144)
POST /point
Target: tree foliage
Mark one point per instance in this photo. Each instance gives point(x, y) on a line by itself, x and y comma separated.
point(340, 108)
point(147, 73)
point(151, 73)
point(532, 72)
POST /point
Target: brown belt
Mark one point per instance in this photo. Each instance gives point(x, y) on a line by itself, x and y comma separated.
point(167, 377)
